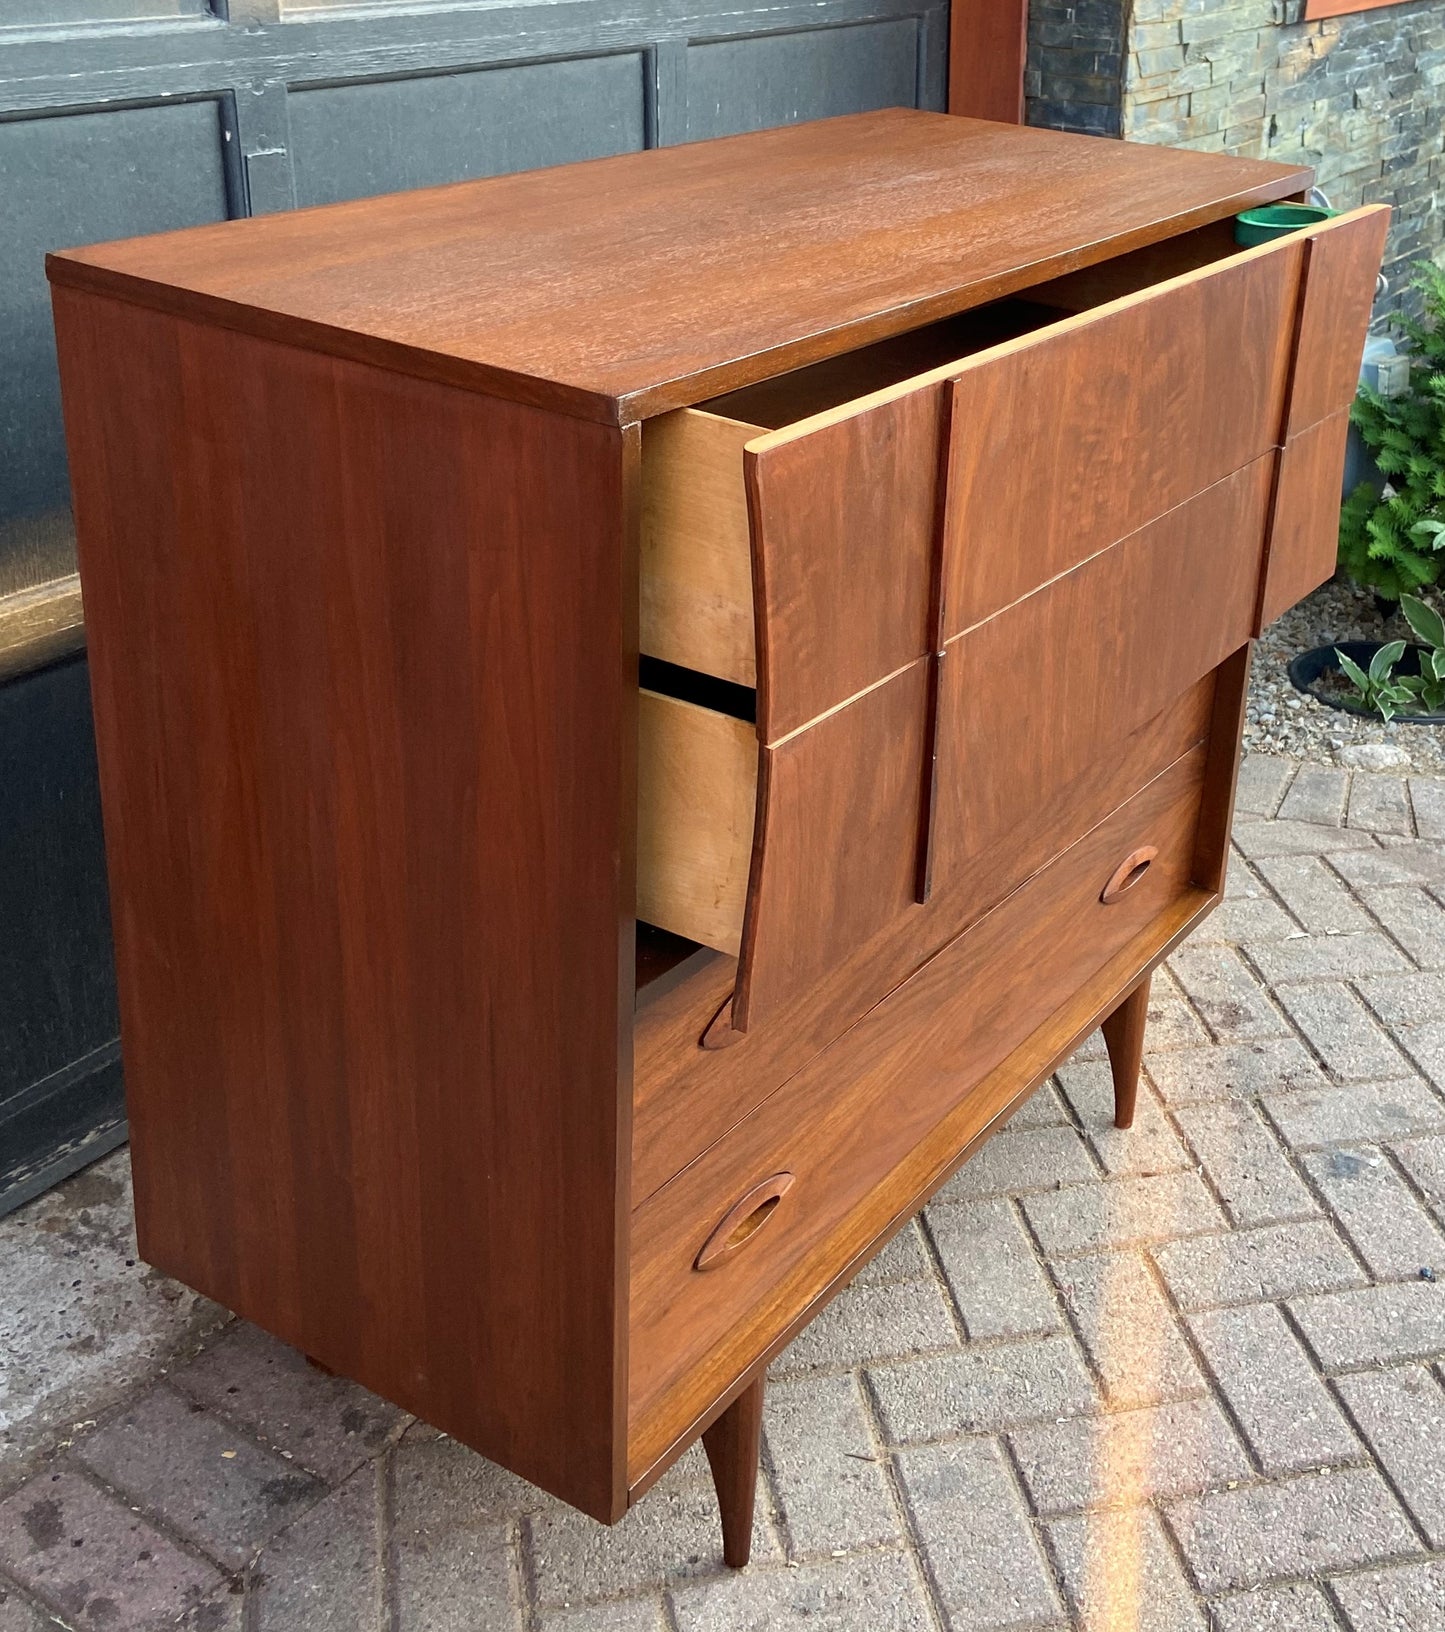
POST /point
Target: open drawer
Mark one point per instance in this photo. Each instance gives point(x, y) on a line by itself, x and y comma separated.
point(842, 538)
point(1172, 364)
point(697, 554)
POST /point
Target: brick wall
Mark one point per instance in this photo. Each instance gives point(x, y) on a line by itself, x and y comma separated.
point(1359, 97)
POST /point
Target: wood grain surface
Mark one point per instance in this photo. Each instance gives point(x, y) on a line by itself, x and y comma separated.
point(366, 721)
point(686, 1096)
point(848, 1120)
point(733, 1444)
point(1124, 1038)
point(1033, 697)
point(697, 559)
point(1342, 263)
point(697, 779)
point(951, 1142)
point(1304, 532)
point(622, 287)
point(1124, 413)
point(987, 50)
point(845, 514)
point(836, 850)
point(1336, 298)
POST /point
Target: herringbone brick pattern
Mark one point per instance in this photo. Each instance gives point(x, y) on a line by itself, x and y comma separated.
point(1188, 1376)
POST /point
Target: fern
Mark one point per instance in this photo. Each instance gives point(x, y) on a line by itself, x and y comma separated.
point(1393, 539)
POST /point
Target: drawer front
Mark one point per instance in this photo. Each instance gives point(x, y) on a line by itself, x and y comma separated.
point(959, 490)
point(1034, 696)
point(1341, 261)
point(686, 1096)
point(845, 511)
point(1304, 535)
point(1074, 438)
point(837, 855)
point(1131, 446)
point(836, 1130)
point(885, 527)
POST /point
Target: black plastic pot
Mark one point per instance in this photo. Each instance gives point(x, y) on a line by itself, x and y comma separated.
point(1307, 668)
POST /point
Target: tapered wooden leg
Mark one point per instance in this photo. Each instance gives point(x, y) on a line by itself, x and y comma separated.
point(734, 1451)
point(1124, 1038)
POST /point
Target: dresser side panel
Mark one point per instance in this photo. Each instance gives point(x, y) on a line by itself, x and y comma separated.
point(361, 655)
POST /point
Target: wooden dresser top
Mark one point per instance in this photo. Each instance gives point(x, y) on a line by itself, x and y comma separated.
point(623, 287)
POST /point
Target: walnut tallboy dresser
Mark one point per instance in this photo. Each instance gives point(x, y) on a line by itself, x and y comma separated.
point(643, 706)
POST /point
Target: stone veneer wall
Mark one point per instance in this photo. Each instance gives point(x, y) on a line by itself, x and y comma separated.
point(1075, 74)
point(1361, 97)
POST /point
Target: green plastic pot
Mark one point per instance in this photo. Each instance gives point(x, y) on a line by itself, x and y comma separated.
point(1272, 221)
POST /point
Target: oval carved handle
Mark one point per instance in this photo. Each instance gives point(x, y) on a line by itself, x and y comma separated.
point(1128, 873)
point(743, 1220)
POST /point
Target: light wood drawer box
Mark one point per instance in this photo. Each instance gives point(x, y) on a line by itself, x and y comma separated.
point(838, 1127)
point(697, 778)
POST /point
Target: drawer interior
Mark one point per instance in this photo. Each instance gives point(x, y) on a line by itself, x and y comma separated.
point(772, 404)
point(1139, 269)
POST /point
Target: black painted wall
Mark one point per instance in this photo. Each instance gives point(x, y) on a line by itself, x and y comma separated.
point(131, 116)
point(60, 1082)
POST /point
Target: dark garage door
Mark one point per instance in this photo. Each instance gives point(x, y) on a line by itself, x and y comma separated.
point(131, 116)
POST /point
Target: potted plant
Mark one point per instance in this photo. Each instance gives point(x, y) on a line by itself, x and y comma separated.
point(1393, 679)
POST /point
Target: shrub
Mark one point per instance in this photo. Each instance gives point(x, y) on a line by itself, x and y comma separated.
point(1394, 541)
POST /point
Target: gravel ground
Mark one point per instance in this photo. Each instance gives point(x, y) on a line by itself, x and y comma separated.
point(1284, 721)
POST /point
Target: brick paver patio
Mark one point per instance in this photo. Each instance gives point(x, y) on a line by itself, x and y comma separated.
point(1183, 1377)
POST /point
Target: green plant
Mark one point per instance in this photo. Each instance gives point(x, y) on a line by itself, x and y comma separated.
point(1382, 689)
point(1376, 688)
point(1428, 627)
point(1393, 541)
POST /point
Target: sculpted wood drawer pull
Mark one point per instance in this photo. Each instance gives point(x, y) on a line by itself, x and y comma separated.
point(743, 1220)
point(1128, 873)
